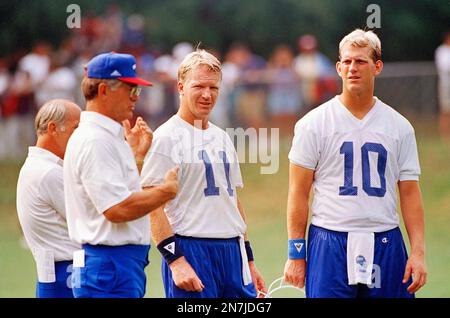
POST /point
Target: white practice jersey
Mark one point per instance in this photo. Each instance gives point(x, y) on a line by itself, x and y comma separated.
point(99, 172)
point(206, 203)
point(357, 165)
point(41, 208)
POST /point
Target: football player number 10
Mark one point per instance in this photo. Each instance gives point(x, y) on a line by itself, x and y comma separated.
point(348, 188)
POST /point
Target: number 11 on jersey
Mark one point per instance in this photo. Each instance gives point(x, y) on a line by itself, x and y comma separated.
point(211, 188)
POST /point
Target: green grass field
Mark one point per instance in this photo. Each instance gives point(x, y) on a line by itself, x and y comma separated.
point(264, 200)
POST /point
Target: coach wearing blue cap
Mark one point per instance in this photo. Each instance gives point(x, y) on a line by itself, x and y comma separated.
point(107, 210)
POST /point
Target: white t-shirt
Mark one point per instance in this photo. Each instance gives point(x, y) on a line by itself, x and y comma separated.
point(357, 165)
point(40, 205)
point(61, 83)
point(99, 172)
point(206, 203)
point(442, 57)
point(36, 65)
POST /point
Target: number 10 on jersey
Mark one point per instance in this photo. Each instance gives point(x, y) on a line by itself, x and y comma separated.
point(348, 188)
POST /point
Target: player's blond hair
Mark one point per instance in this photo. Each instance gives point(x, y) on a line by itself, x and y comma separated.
point(362, 38)
point(195, 59)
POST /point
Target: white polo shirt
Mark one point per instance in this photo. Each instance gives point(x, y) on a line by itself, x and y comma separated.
point(99, 172)
point(40, 205)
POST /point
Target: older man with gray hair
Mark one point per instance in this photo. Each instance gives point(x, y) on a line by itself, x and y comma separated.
point(40, 198)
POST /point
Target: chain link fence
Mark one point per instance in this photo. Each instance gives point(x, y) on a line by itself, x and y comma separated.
point(409, 87)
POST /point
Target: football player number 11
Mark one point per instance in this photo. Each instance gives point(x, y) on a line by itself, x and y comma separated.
point(348, 188)
point(211, 188)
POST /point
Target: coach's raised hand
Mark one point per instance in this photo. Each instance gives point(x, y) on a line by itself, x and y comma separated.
point(139, 138)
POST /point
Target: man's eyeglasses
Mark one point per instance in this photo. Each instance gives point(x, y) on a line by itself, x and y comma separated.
point(135, 91)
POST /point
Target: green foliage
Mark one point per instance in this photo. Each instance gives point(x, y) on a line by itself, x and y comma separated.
point(410, 30)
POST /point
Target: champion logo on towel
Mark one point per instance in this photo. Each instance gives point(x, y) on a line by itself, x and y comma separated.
point(385, 240)
point(170, 247)
point(298, 246)
point(116, 73)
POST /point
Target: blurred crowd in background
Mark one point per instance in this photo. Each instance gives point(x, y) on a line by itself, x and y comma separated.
point(255, 92)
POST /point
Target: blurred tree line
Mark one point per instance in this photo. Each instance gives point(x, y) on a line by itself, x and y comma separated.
point(410, 30)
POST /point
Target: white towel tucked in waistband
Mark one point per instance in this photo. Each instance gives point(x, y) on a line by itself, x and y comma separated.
point(245, 268)
point(360, 251)
point(45, 263)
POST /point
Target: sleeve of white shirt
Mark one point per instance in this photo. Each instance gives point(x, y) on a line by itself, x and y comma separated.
point(52, 190)
point(158, 161)
point(236, 176)
point(305, 149)
point(409, 158)
point(101, 175)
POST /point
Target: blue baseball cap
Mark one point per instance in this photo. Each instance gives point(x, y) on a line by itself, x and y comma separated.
point(115, 66)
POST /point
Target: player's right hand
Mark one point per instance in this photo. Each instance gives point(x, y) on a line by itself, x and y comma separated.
point(171, 182)
point(184, 276)
point(294, 272)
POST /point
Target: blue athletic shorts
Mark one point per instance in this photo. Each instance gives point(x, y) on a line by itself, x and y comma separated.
point(111, 272)
point(326, 272)
point(60, 288)
point(218, 264)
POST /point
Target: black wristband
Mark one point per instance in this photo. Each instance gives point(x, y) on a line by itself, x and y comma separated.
point(169, 249)
point(248, 250)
